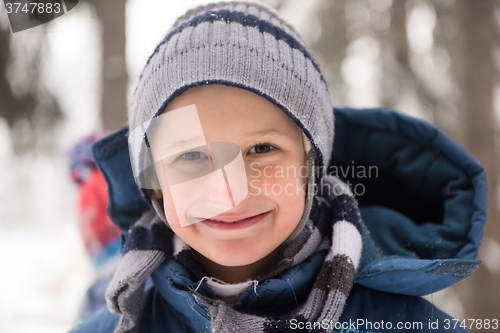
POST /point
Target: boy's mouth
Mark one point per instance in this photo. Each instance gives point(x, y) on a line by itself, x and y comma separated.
point(235, 222)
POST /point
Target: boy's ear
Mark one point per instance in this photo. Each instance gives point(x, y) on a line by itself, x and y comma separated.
point(157, 202)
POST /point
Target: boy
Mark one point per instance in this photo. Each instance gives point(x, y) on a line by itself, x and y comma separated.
point(228, 111)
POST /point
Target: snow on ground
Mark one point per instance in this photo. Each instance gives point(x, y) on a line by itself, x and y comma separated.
point(45, 271)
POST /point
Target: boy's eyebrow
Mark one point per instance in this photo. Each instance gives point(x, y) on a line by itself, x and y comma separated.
point(190, 142)
point(271, 131)
point(183, 142)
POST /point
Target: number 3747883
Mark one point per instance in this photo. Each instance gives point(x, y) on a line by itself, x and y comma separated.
point(33, 7)
point(471, 324)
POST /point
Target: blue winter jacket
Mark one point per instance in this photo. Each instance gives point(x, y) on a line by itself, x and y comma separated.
point(423, 200)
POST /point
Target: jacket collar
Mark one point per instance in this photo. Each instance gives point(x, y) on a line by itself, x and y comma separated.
point(273, 297)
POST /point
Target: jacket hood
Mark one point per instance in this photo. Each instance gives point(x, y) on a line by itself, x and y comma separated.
point(421, 195)
point(424, 202)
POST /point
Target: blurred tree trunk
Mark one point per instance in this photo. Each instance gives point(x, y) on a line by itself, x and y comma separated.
point(31, 112)
point(475, 74)
point(8, 102)
point(331, 45)
point(398, 74)
point(111, 13)
point(395, 59)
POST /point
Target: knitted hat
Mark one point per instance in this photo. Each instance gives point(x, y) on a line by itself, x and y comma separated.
point(240, 44)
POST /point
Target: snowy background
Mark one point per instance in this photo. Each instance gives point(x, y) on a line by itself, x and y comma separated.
point(45, 267)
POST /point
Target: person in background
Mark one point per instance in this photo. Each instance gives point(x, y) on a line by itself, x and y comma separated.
point(100, 236)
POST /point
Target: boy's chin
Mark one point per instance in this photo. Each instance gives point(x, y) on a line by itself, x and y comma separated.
point(242, 256)
point(240, 263)
point(236, 261)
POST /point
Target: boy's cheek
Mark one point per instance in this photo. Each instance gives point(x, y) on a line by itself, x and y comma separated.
point(170, 211)
point(284, 189)
point(284, 185)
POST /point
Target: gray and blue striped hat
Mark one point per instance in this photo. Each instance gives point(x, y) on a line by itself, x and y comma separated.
point(241, 44)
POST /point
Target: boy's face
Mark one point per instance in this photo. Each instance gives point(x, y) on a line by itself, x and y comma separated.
point(275, 163)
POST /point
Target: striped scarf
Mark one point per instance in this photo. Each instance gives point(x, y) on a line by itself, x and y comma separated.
point(334, 224)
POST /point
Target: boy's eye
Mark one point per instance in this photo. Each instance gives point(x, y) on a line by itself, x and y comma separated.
point(261, 148)
point(193, 156)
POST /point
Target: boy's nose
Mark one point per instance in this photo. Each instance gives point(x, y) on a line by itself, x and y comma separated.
point(220, 192)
